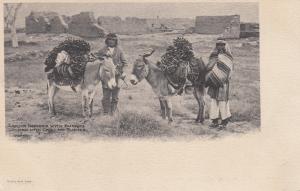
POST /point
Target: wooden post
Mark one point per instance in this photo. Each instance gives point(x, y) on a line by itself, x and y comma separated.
point(10, 20)
point(14, 37)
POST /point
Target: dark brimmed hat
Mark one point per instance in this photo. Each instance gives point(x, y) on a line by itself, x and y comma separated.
point(221, 42)
point(111, 36)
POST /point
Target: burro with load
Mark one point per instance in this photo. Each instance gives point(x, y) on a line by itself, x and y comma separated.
point(70, 66)
point(169, 76)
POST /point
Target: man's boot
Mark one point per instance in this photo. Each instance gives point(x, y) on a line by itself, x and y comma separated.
point(106, 107)
point(114, 106)
point(215, 123)
point(224, 123)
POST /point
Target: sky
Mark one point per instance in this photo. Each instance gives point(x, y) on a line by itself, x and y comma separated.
point(248, 11)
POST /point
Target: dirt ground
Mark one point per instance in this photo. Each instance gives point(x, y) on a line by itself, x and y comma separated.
point(26, 107)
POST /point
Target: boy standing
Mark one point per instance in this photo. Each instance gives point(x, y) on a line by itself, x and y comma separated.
point(111, 97)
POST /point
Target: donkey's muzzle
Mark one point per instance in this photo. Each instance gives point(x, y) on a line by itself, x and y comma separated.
point(112, 83)
point(133, 80)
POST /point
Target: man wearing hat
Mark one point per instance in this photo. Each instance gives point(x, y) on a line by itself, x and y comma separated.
point(111, 48)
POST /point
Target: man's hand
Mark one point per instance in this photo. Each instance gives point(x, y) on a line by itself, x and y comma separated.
point(123, 76)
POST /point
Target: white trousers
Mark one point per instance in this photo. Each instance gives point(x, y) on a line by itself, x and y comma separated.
point(218, 108)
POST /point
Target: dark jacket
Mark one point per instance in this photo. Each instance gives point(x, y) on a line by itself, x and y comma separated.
point(118, 57)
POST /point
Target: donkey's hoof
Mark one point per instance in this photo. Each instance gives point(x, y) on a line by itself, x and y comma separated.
point(170, 121)
point(199, 121)
point(86, 116)
point(52, 116)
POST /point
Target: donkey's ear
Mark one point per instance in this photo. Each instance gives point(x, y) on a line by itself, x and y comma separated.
point(146, 61)
point(148, 53)
point(100, 58)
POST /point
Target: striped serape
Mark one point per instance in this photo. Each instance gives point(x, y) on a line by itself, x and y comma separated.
point(221, 70)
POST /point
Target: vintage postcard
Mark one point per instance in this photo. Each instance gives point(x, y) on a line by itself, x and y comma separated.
point(163, 95)
point(98, 71)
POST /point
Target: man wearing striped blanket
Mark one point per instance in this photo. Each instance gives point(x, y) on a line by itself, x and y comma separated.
point(220, 68)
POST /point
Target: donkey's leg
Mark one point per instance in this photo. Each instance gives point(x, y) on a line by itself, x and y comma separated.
point(90, 102)
point(169, 109)
point(162, 108)
point(51, 94)
point(199, 95)
point(84, 97)
point(91, 106)
point(197, 98)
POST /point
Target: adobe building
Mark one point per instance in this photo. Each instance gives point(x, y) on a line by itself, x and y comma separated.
point(249, 30)
point(58, 25)
point(84, 24)
point(130, 25)
point(38, 22)
point(45, 22)
point(228, 26)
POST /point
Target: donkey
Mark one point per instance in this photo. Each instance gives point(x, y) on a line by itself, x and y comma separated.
point(162, 87)
point(96, 71)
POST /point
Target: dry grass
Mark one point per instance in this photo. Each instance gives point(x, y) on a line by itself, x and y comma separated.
point(129, 124)
point(139, 108)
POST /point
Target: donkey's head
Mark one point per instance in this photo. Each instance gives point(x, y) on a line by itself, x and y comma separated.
point(107, 73)
point(140, 68)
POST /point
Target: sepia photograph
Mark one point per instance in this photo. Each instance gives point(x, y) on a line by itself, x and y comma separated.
point(150, 95)
point(157, 71)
